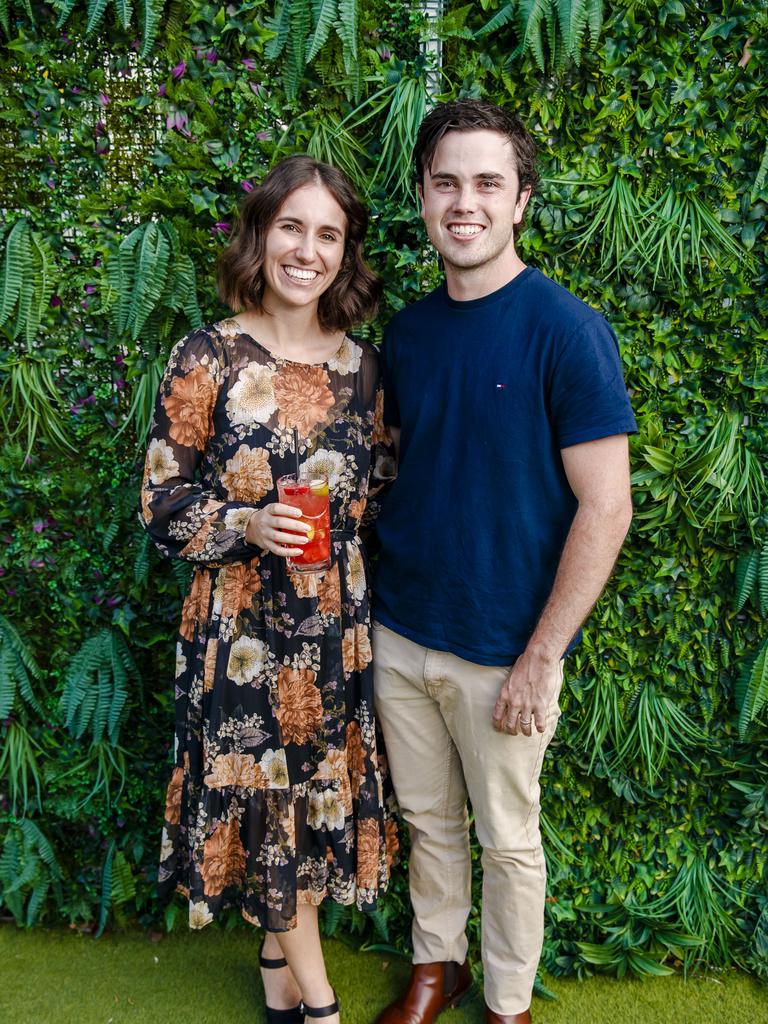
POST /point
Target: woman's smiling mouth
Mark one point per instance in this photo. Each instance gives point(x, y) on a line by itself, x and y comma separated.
point(300, 274)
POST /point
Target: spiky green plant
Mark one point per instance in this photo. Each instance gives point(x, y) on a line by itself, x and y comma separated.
point(19, 752)
point(118, 885)
point(302, 28)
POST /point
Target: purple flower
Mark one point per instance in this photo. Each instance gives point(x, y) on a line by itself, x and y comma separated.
point(97, 261)
point(385, 54)
point(2, 571)
point(85, 344)
point(162, 90)
point(220, 227)
point(211, 56)
point(262, 136)
point(178, 120)
point(248, 64)
point(179, 70)
point(100, 129)
point(6, 538)
point(112, 601)
point(103, 99)
point(51, 184)
point(257, 89)
point(120, 360)
point(75, 90)
point(84, 303)
point(11, 591)
point(90, 289)
point(90, 400)
point(36, 563)
point(119, 383)
point(135, 44)
point(246, 186)
point(55, 301)
point(39, 525)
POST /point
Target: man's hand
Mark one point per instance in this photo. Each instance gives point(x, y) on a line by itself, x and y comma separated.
point(526, 695)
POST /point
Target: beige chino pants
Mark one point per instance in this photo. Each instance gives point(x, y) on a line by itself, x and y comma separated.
point(435, 712)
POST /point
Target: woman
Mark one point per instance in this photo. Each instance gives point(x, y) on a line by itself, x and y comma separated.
point(276, 799)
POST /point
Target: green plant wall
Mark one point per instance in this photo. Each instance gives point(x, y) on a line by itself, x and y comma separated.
point(129, 135)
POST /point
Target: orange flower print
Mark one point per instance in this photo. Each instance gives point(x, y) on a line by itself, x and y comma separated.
point(368, 853)
point(380, 432)
point(392, 841)
point(241, 583)
point(303, 396)
point(189, 407)
point(209, 669)
point(357, 507)
point(304, 583)
point(173, 797)
point(329, 592)
point(299, 708)
point(356, 649)
point(195, 607)
point(223, 859)
point(235, 769)
point(355, 757)
point(247, 476)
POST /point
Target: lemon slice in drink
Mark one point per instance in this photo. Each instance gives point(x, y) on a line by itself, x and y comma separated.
point(311, 533)
point(320, 489)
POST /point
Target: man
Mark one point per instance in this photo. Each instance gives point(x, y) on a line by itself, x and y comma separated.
point(505, 395)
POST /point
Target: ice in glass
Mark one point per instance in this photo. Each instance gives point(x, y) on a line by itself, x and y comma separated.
point(310, 494)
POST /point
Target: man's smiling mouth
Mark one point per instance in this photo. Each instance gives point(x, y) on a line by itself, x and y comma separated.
point(465, 230)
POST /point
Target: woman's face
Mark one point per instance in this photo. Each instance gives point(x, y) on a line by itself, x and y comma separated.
point(304, 248)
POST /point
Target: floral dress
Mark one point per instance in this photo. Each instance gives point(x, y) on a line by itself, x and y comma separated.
point(278, 793)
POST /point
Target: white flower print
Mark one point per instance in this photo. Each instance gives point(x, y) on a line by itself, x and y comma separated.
point(356, 582)
point(252, 397)
point(237, 518)
point(162, 464)
point(199, 915)
point(334, 810)
point(274, 766)
point(247, 658)
point(326, 463)
point(347, 359)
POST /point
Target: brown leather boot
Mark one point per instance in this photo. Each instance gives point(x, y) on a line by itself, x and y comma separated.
point(491, 1017)
point(432, 989)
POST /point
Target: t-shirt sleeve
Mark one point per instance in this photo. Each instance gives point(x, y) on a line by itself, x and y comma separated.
point(588, 397)
point(387, 355)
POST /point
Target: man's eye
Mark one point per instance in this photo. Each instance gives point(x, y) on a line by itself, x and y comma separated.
point(489, 184)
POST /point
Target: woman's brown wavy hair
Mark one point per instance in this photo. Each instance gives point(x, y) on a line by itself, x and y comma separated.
point(354, 294)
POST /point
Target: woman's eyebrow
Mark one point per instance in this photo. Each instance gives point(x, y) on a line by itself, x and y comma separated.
point(297, 220)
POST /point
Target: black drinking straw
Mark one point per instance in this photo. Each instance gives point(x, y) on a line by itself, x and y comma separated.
point(296, 450)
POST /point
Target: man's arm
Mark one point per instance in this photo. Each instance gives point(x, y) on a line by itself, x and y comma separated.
point(598, 473)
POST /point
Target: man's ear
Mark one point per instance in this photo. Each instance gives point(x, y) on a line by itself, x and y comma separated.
point(522, 202)
point(421, 199)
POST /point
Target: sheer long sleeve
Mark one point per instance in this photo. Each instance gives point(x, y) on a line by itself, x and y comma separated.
point(183, 513)
point(383, 463)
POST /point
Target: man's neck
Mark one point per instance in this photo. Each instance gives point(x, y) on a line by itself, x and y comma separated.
point(465, 284)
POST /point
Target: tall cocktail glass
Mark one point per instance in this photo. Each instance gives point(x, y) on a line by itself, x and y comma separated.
point(310, 494)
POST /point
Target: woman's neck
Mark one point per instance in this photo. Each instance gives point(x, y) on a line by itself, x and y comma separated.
point(295, 334)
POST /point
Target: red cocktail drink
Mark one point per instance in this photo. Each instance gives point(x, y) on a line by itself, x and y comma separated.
point(310, 495)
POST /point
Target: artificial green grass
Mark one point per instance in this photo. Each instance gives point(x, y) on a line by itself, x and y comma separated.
point(209, 977)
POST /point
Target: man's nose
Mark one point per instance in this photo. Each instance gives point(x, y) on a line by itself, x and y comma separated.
point(464, 199)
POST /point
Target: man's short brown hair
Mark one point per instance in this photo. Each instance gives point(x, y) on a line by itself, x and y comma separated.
point(355, 292)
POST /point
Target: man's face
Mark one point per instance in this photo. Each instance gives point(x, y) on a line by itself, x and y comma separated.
point(471, 200)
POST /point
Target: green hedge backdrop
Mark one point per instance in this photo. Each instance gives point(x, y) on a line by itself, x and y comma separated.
point(128, 135)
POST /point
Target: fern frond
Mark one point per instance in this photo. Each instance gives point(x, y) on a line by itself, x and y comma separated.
point(96, 10)
point(151, 12)
point(747, 565)
point(755, 693)
point(15, 268)
point(280, 24)
point(124, 11)
point(501, 18)
point(106, 888)
point(324, 14)
point(762, 579)
point(65, 8)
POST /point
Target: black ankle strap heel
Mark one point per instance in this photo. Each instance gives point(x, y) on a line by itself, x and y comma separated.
point(322, 1011)
point(294, 1015)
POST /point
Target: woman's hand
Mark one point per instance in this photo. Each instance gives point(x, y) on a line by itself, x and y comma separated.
point(277, 528)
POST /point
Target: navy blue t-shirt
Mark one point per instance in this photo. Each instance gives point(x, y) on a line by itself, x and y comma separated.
point(486, 393)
